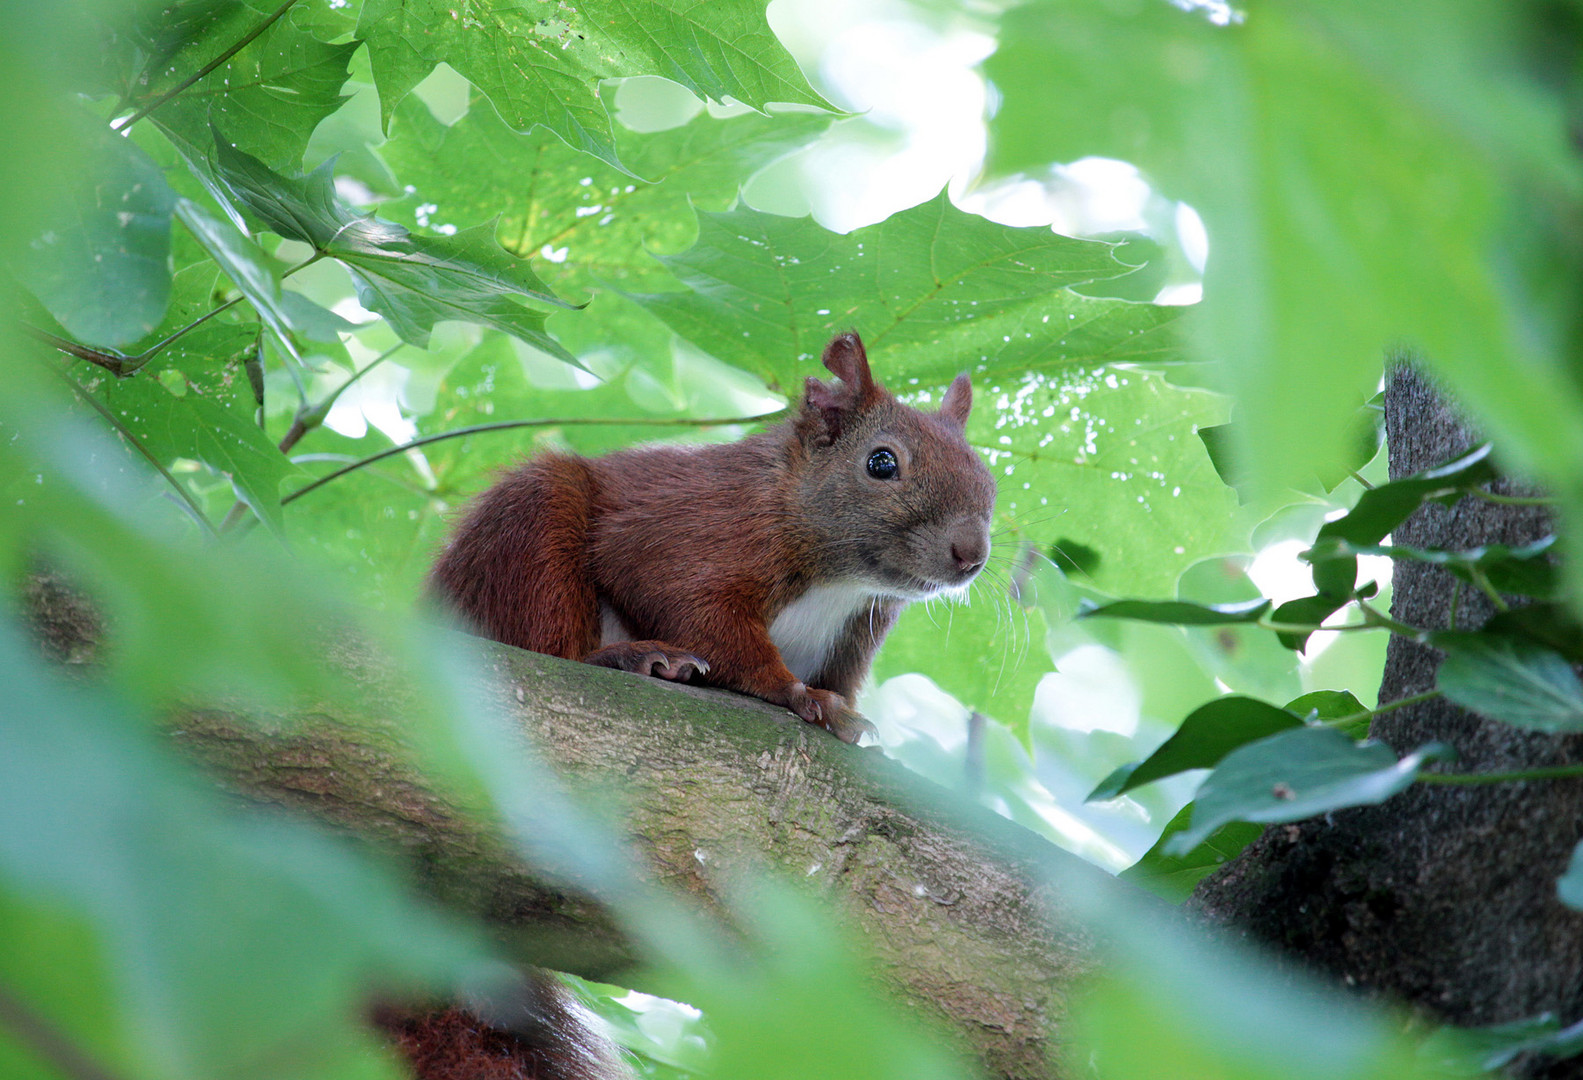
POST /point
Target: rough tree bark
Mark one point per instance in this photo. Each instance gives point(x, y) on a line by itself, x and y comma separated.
point(955, 904)
point(1443, 896)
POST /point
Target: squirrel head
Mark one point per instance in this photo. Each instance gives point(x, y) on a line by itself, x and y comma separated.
point(895, 497)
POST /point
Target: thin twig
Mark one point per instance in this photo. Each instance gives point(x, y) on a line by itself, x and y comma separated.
point(246, 40)
point(505, 425)
point(1513, 500)
point(160, 346)
point(305, 421)
point(309, 418)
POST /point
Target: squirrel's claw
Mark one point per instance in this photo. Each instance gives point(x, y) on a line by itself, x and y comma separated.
point(828, 710)
point(653, 658)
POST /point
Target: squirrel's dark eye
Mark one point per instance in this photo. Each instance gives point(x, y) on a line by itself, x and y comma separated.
point(882, 464)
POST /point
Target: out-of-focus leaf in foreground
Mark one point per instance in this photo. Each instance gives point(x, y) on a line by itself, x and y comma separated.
point(1364, 171)
point(204, 941)
point(99, 261)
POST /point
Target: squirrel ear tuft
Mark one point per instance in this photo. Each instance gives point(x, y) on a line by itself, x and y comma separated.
point(958, 401)
point(845, 357)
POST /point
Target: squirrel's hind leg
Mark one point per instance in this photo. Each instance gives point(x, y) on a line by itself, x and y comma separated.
point(654, 658)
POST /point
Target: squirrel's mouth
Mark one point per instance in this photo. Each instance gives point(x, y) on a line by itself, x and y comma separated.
point(920, 588)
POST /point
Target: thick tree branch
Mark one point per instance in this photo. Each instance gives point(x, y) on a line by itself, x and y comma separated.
point(953, 901)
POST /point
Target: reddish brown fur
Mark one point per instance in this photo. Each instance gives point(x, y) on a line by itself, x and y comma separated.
point(453, 1044)
point(697, 549)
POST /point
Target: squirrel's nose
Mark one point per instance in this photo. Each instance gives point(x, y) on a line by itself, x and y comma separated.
point(969, 541)
point(967, 561)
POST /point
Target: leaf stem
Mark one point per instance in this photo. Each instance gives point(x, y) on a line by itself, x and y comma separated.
point(1482, 580)
point(1370, 714)
point(505, 425)
point(1552, 772)
point(1311, 628)
point(1513, 500)
point(114, 421)
point(246, 40)
point(121, 365)
point(112, 361)
point(1374, 617)
point(165, 343)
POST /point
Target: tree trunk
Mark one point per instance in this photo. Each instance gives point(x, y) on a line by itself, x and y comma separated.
point(953, 903)
point(1444, 896)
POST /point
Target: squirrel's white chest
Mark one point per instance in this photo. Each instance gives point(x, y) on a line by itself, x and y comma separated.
point(806, 629)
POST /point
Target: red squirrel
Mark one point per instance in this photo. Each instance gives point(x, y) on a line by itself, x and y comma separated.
point(773, 566)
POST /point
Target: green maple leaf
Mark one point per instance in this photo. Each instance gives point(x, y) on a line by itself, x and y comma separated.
point(413, 280)
point(933, 290)
point(540, 65)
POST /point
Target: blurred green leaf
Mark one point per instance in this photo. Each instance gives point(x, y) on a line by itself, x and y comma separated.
point(414, 281)
point(1182, 613)
point(542, 68)
point(1367, 431)
point(1552, 625)
point(1175, 876)
point(1297, 774)
point(1513, 681)
point(194, 425)
point(1492, 1048)
point(811, 986)
point(1524, 570)
point(988, 654)
point(1357, 167)
point(933, 290)
point(107, 235)
point(672, 1040)
point(233, 945)
point(1209, 733)
point(1167, 1001)
point(1243, 656)
point(1570, 885)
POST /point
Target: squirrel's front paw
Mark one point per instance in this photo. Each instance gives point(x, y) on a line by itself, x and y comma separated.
point(828, 710)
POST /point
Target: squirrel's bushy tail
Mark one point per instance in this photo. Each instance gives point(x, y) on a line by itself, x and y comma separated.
point(522, 578)
point(548, 1035)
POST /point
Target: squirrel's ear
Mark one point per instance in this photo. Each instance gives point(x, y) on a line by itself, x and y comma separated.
point(825, 408)
point(845, 357)
point(958, 401)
